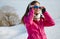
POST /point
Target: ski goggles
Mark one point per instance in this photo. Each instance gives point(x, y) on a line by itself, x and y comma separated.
point(36, 7)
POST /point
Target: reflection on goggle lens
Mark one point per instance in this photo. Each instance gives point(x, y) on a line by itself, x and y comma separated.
point(37, 7)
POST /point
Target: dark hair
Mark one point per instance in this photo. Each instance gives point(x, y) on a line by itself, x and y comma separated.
point(27, 10)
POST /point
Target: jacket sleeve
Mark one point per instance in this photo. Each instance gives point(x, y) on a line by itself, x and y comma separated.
point(48, 21)
point(29, 18)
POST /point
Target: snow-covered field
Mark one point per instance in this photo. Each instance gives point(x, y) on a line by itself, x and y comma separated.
point(12, 32)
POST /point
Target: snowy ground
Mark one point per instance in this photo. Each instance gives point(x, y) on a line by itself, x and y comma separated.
point(12, 32)
point(19, 32)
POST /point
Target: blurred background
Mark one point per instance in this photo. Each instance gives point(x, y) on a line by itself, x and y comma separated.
point(19, 6)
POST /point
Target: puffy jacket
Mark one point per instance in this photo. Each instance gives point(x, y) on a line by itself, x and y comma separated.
point(35, 28)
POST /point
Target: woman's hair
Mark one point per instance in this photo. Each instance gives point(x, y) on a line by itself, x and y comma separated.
point(27, 10)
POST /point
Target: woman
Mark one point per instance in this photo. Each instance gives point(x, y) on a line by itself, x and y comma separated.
point(35, 19)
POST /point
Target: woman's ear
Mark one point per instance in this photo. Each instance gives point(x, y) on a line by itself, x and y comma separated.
point(42, 7)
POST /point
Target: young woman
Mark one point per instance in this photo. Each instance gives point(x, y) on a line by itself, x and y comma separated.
point(36, 18)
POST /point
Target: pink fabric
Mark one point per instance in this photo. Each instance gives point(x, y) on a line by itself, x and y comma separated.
point(34, 28)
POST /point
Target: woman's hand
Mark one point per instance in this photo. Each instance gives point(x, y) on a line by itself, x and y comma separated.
point(43, 9)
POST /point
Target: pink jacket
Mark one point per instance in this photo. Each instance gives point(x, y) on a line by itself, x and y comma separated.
point(34, 28)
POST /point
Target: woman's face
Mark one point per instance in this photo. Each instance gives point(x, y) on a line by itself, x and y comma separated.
point(37, 8)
